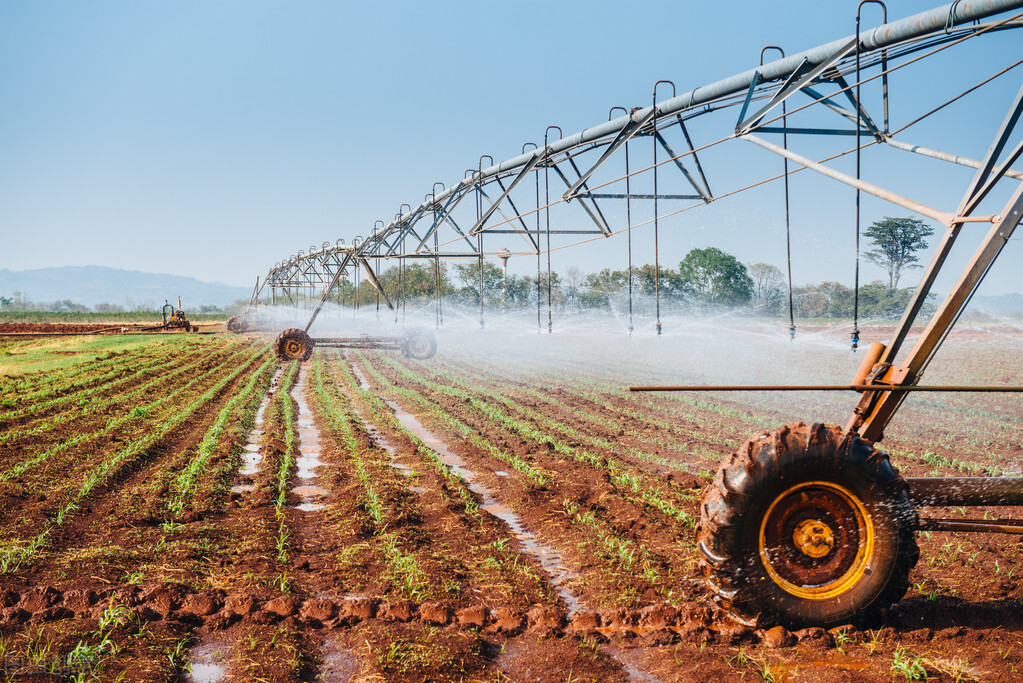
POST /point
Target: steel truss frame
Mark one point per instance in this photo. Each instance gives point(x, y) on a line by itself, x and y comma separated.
point(443, 226)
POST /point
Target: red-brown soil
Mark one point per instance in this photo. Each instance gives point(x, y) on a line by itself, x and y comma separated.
point(399, 577)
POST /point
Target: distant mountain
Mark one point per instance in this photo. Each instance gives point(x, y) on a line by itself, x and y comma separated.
point(91, 285)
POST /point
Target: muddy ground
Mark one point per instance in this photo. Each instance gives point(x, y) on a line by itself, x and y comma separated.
point(500, 512)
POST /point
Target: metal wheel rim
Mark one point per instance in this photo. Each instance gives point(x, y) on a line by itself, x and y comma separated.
point(801, 520)
point(418, 346)
point(294, 348)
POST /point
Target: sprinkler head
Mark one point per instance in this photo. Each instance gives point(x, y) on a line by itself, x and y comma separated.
point(855, 339)
point(792, 331)
point(658, 328)
point(630, 330)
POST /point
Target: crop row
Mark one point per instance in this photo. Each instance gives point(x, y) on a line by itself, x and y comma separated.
point(15, 554)
point(541, 428)
point(137, 413)
point(630, 565)
point(88, 407)
point(409, 527)
point(83, 385)
point(184, 485)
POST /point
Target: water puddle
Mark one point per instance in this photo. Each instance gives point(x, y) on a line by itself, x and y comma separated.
point(339, 665)
point(308, 460)
point(626, 659)
point(252, 456)
point(381, 441)
point(548, 557)
point(207, 663)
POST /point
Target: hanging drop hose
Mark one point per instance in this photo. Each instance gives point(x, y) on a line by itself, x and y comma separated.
point(547, 216)
point(538, 328)
point(785, 174)
point(628, 219)
point(855, 336)
point(788, 249)
point(479, 247)
point(657, 261)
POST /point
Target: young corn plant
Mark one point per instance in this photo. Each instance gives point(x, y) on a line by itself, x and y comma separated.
point(185, 483)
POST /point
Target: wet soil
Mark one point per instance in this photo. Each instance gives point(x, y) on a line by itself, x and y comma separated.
point(397, 570)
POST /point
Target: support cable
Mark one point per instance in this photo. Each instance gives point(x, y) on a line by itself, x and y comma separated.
point(752, 185)
point(479, 235)
point(376, 247)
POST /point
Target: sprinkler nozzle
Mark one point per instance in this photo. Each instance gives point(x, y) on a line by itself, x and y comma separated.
point(658, 328)
point(855, 339)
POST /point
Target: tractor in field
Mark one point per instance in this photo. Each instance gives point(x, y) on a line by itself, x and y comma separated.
point(173, 319)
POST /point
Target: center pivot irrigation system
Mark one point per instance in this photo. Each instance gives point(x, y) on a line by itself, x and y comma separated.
point(804, 525)
point(297, 344)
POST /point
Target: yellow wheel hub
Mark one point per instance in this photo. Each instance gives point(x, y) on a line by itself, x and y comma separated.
point(816, 540)
point(813, 538)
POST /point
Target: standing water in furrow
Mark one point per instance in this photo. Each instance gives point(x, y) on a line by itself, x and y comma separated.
point(308, 460)
point(548, 557)
point(207, 658)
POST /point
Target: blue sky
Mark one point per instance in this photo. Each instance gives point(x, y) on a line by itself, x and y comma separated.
point(211, 139)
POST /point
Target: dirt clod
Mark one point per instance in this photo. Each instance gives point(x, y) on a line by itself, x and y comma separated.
point(815, 637)
point(585, 621)
point(658, 616)
point(776, 637)
point(398, 610)
point(507, 621)
point(619, 618)
point(472, 617)
point(202, 604)
point(284, 606)
point(545, 618)
point(435, 614)
point(80, 600)
point(320, 609)
point(243, 605)
point(40, 598)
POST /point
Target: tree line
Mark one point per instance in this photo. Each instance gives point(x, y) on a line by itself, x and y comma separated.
point(704, 279)
point(17, 302)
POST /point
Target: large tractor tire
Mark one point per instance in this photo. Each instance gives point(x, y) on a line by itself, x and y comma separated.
point(293, 344)
point(807, 526)
point(237, 324)
point(419, 344)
